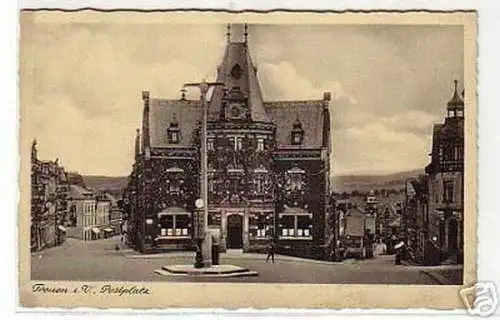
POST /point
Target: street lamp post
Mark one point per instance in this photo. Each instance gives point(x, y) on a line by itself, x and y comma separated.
point(203, 258)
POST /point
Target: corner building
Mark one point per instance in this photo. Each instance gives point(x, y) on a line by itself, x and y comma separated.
point(445, 176)
point(268, 166)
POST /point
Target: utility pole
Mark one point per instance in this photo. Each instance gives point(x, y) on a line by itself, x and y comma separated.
point(203, 251)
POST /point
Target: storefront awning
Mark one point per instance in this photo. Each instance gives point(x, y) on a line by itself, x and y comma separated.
point(173, 211)
point(295, 211)
point(63, 229)
point(96, 230)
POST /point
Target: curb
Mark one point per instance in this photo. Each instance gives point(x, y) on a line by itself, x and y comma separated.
point(436, 277)
point(163, 272)
point(242, 257)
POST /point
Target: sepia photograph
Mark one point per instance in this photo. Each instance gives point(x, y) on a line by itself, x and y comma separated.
point(239, 150)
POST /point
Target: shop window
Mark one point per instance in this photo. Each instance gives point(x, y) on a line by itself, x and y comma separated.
point(296, 226)
point(303, 226)
point(260, 225)
point(174, 225)
point(288, 226)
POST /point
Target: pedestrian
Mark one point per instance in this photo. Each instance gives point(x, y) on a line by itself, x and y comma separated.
point(270, 251)
point(400, 247)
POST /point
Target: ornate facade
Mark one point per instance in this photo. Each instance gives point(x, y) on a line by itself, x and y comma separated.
point(49, 189)
point(446, 182)
point(268, 166)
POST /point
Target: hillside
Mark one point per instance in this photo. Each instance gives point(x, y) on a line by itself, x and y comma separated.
point(113, 185)
point(365, 183)
point(342, 183)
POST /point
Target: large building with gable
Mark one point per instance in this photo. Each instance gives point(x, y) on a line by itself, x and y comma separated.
point(268, 166)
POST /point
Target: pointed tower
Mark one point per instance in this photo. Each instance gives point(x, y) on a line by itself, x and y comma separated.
point(34, 150)
point(455, 106)
point(240, 99)
point(145, 121)
point(137, 143)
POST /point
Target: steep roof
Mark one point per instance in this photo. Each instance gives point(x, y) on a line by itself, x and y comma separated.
point(284, 114)
point(162, 112)
point(237, 70)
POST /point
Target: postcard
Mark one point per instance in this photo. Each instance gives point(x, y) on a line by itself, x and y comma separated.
point(203, 159)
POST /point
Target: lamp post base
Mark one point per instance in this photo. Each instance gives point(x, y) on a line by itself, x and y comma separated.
point(199, 258)
point(206, 249)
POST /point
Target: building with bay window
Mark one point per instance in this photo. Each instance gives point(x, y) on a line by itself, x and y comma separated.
point(268, 166)
point(445, 176)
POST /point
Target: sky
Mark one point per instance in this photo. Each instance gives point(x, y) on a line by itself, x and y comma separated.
point(389, 84)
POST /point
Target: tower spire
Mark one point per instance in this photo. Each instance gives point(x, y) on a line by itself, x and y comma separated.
point(228, 33)
point(246, 33)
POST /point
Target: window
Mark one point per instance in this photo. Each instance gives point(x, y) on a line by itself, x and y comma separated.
point(238, 143)
point(260, 144)
point(297, 133)
point(295, 179)
point(258, 184)
point(214, 219)
point(458, 152)
point(210, 144)
point(296, 226)
point(297, 138)
point(448, 152)
point(303, 226)
point(174, 225)
point(288, 226)
point(260, 225)
point(173, 132)
point(448, 191)
point(174, 187)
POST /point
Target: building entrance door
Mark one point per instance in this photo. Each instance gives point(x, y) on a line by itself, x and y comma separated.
point(452, 235)
point(235, 231)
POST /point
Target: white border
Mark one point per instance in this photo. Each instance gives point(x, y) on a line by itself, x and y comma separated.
point(489, 141)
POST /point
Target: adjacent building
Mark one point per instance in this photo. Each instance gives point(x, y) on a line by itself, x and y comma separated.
point(434, 209)
point(115, 214)
point(268, 166)
point(88, 214)
point(446, 181)
point(49, 188)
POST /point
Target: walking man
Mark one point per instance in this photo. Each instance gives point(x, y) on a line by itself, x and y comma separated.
point(270, 251)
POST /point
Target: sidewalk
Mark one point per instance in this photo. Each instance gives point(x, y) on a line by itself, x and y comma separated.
point(446, 276)
point(131, 254)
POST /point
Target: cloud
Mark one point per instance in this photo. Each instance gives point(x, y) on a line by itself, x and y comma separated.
point(389, 84)
point(377, 148)
point(282, 82)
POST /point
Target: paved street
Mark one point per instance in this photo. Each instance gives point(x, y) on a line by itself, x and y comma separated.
point(98, 261)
